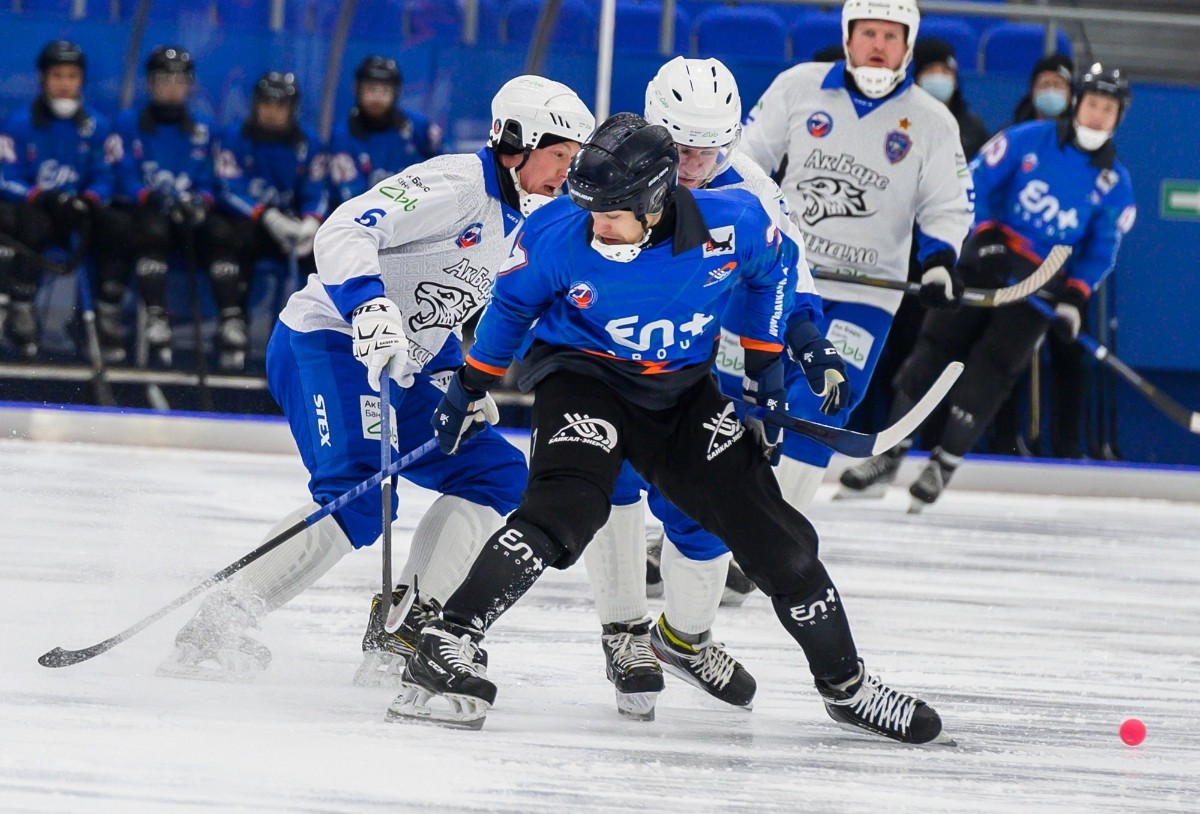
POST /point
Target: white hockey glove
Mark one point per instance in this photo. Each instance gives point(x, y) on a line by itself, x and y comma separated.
point(379, 339)
point(306, 235)
point(1068, 314)
point(941, 287)
point(283, 228)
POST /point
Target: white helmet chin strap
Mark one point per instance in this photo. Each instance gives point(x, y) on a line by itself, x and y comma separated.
point(620, 252)
point(875, 83)
point(528, 202)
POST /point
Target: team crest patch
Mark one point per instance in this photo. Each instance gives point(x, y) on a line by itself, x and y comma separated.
point(820, 124)
point(471, 236)
point(582, 294)
point(1029, 162)
point(717, 275)
point(897, 145)
point(721, 242)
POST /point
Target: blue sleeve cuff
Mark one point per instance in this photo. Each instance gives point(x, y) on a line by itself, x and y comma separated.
point(353, 293)
point(928, 246)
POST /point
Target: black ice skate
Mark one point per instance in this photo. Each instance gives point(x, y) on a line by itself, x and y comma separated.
point(632, 667)
point(23, 329)
point(654, 544)
point(930, 484)
point(738, 586)
point(706, 665)
point(157, 334)
point(384, 653)
point(867, 703)
point(870, 478)
point(110, 333)
point(233, 338)
point(213, 645)
point(446, 664)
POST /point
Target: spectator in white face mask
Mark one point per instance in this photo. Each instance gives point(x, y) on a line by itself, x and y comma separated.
point(1049, 93)
point(936, 71)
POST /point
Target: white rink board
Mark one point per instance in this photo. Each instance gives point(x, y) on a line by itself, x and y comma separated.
point(1034, 624)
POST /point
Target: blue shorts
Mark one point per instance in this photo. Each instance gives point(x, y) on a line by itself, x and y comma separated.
point(334, 417)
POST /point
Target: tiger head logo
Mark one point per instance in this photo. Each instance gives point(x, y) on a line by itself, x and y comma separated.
point(831, 198)
point(441, 306)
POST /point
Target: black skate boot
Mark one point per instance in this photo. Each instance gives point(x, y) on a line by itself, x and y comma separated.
point(654, 544)
point(870, 478)
point(930, 484)
point(865, 702)
point(110, 332)
point(384, 653)
point(233, 338)
point(445, 665)
point(738, 586)
point(23, 329)
point(632, 667)
point(158, 335)
point(706, 665)
point(213, 645)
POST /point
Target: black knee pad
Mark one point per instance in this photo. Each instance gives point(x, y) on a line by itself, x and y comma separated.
point(568, 510)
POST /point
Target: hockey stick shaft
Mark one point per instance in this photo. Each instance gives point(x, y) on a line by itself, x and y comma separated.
point(978, 297)
point(385, 463)
point(87, 312)
point(1188, 419)
point(858, 444)
point(60, 657)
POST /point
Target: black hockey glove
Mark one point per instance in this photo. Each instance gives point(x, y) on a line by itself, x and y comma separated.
point(189, 210)
point(65, 207)
point(822, 365)
point(765, 387)
point(941, 285)
point(1068, 313)
point(462, 413)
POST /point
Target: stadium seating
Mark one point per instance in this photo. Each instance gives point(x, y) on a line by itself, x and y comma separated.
point(746, 35)
point(574, 28)
point(958, 33)
point(813, 31)
point(638, 28)
point(1015, 47)
point(442, 20)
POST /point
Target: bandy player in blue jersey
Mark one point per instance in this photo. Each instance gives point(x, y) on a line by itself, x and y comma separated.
point(1038, 184)
point(627, 287)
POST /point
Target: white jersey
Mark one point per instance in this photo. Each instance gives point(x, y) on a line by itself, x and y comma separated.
point(857, 172)
point(434, 235)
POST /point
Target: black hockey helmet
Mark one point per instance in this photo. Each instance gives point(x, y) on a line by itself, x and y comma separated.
point(627, 163)
point(277, 86)
point(170, 59)
point(377, 68)
point(61, 52)
point(1106, 82)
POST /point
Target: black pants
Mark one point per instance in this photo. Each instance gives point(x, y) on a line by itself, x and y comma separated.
point(253, 243)
point(703, 459)
point(40, 224)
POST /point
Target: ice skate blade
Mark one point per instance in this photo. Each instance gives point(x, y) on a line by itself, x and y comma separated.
point(380, 669)
point(875, 491)
point(412, 705)
point(637, 706)
point(686, 677)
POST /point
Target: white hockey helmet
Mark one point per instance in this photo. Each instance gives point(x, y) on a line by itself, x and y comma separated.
point(876, 83)
point(697, 101)
point(530, 107)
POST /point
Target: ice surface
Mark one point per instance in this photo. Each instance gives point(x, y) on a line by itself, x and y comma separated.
point(1034, 625)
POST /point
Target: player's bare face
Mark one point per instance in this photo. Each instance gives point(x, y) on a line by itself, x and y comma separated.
point(696, 164)
point(63, 81)
point(620, 228)
point(272, 115)
point(877, 44)
point(376, 98)
point(170, 88)
point(546, 169)
point(1098, 112)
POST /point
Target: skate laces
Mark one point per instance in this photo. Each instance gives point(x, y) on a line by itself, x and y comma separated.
point(457, 651)
point(714, 665)
point(630, 651)
point(879, 704)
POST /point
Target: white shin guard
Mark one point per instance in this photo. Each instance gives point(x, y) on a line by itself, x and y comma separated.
point(445, 544)
point(799, 482)
point(616, 565)
point(279, 576)
point(693, 589)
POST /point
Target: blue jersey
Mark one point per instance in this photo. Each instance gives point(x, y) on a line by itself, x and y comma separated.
point(169, 159)
point(254, 174)
point(39, 151)
point(1032, 179)
point(637, 324)
point(360, 157)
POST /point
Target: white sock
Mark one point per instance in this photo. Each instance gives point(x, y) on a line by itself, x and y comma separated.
point(693, 589)
point(616, 565)
point(799, 482)
point(445, 544)
point(280, 575)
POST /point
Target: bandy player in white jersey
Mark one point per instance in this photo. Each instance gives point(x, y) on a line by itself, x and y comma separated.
point(400, 268)
point(861, 153)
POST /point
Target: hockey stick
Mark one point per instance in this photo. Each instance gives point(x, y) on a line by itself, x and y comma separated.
point(857, 444)
point(100, 386)
point(978, 297)
point(1188, 419)
point(60, 657)
point(41, 260)
point(385, 463)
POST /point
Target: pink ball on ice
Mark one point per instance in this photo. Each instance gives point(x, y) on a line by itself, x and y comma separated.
point(1133, 732)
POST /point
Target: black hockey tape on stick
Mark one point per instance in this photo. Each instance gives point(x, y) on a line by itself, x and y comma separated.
point(61, 657)
point(858, 444)
point(978, 297)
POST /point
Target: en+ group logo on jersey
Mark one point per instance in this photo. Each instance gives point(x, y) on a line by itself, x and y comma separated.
point(582, 294)
point(470, 236)
point(820, 124)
